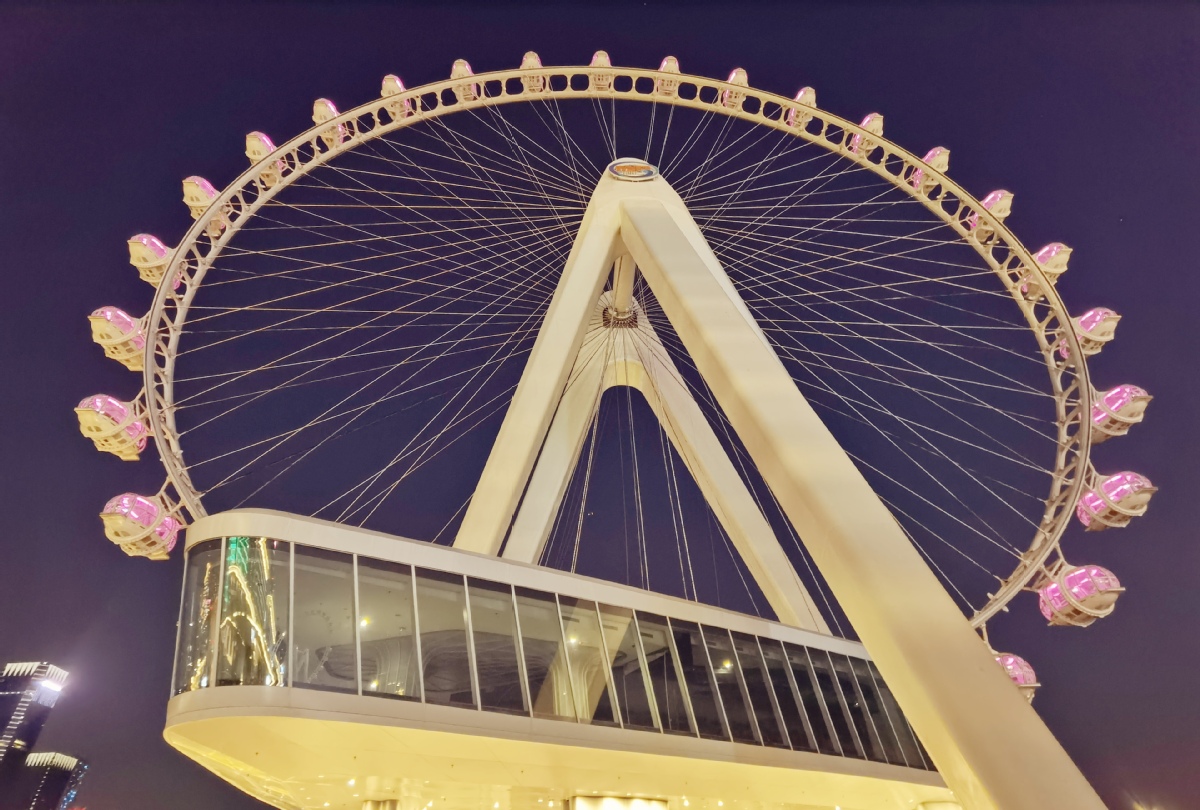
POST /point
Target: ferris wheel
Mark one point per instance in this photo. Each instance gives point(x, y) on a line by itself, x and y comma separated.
point(345, 327)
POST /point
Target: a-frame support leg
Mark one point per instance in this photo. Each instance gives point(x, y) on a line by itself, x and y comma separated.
point(988, 743)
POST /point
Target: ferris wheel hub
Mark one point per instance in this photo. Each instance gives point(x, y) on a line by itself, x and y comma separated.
point(632, 169)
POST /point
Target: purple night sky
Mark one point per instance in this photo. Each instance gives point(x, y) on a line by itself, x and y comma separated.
point(1087, 112)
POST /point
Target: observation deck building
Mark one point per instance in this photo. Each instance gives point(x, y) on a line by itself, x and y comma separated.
point(323, 666)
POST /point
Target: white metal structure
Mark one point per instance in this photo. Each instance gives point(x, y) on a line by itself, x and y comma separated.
point(694, 282)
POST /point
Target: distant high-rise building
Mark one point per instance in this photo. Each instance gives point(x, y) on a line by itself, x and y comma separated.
point(51, 781)
point(28, 692)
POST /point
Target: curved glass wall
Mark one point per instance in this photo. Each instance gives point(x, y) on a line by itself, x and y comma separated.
point(258, 611)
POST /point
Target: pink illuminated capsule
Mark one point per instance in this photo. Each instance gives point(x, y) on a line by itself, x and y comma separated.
point(199, 195)
point(797, 116)
point(115, 426)
point(1020, 672)
point(532, 84)
point(1079, 596)
point(258, 147)
point(1052, 261)
point(150, 256)
point(466, 91)
point(120, 335)
point(1117, 410)
point(998, 203)
point(1117, 500)
point(601, 81)
point(393, 86)
point(140, 525)
point(733, 98)
point(938, 159)
point(873, 124)
point(324, 110)
point(665, 86)
point(1094, 328)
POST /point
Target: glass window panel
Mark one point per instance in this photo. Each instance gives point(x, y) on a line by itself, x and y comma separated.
point(252, 639)
point(794, 717)
point(445, 656)
point(199, 609)
point(877, 712)
point(664, 676)
point(726, 673)
point(810, 698)
point(628, 675)
point(822, 672)
point(904, 733)
point(701, 686)
point(588, 660)
point(867, 737)
point(386, 630)
point(494, 625)
point(545, 658)
point(754, 676)
point(324, 621)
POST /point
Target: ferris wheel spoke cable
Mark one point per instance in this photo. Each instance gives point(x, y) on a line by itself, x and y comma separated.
point(767, 281)
point(375, 476)
point(532, 282)
point(471, 159)
point(733, 184)
point(480, 414)
point(326, 362)
point(456, 284)
point(526, 332)
point(941, 407)
point(863, 419)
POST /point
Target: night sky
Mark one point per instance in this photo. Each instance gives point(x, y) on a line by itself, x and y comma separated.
point(1088, 114)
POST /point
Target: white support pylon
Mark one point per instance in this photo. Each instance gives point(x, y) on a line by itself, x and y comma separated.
point(987, 742)
point(628, 352)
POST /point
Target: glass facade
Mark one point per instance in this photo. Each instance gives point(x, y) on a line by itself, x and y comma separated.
point(258, 611)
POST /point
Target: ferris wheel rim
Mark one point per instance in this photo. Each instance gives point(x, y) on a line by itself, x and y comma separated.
point(245, 195)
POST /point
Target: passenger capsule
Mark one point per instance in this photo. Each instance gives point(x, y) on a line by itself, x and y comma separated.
point(324, 110)
point(938, 159)
point(258, 146)
point(397, 108)
point(1118, 499)
point(601, 81)
point(1020, 673)
point(798, 116)
point(1052, 261)
point(532, 84)
point(199, 194)
point(1094, 328)
point(667, 86)
point(466, 91)
point(141, 525)
point(873, 124)
point(1117, 410)
point(1078, 596)
point(116, 427)
point(150, 256)
point(121, 335)
point(998, 204)
point(733, 98)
